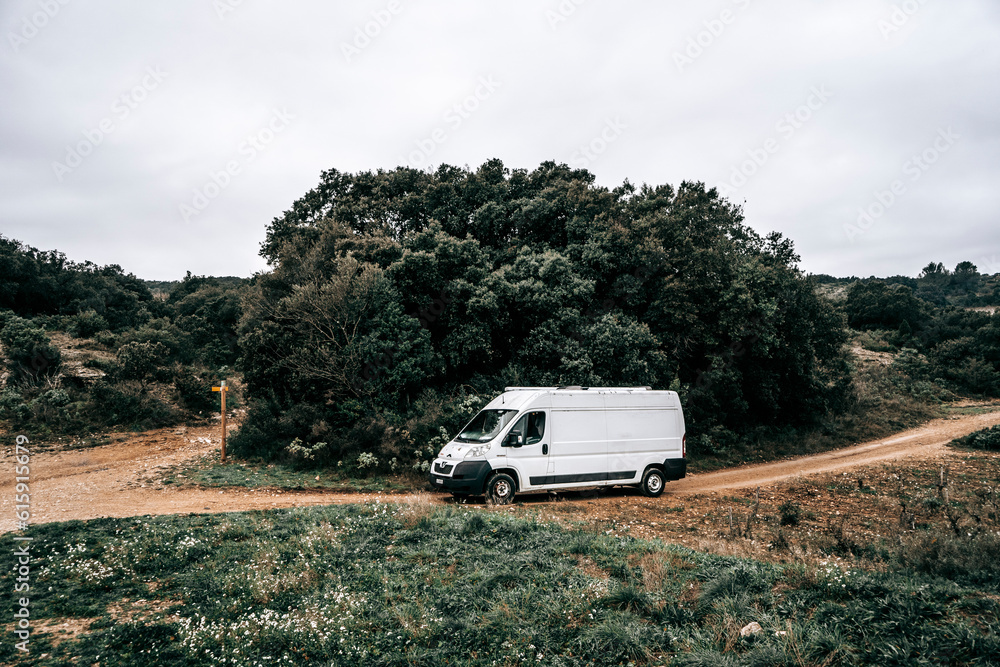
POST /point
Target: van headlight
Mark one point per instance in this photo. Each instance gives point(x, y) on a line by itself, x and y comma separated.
point(477, 451)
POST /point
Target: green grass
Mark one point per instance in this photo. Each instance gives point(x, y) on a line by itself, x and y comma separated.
point(209, 472)
point(956, 410)
point(386, 585)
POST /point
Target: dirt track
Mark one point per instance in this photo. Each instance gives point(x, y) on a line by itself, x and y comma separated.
point(924, 441)
point(106, 481)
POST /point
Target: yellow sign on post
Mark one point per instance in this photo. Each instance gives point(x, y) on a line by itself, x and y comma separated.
point(222, 389)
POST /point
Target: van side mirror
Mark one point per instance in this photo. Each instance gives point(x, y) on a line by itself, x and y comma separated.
point(514, 439)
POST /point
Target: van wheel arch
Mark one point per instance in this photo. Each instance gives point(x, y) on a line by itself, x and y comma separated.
point(503, 471)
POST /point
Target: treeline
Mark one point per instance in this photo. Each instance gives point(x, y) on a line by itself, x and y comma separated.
point(936, 285)
point(399, 301)
point(955, 347)
point(149, 360)
point(395, 296)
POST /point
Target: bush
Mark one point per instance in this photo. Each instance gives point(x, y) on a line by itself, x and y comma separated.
point(193, 392)
point(129, 404)
point(12, 405)
point(790, 513)
point(872, 304)
point(987, 439)
point(303, 452)
point(977, 376)
point(31, 355)
point(161, 330)
point(87, 324)
point(140, 361)
point(106, 338)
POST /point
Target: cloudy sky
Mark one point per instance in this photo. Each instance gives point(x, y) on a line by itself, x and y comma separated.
point(164, 136)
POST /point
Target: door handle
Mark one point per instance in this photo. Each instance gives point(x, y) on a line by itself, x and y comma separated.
point(545, 449)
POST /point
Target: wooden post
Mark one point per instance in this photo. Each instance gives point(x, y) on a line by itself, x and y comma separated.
point(223, 389)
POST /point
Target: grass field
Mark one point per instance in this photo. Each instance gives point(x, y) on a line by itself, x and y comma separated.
point(410, 585)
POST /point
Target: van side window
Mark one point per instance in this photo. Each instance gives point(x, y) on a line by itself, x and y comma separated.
point(532, 427)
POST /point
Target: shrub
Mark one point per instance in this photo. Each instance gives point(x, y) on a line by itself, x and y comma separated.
point(129, 404)
point(193, 392)
point(305, 452)
point(978, 376)
point(9, 399)
point(986, 439)
point(873, 304)
point(106, 338)
point(31, 355)
point(790, 513)
point(87, 323)
point(140, 361)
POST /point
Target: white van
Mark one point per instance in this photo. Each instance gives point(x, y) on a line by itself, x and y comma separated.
point(542, 438)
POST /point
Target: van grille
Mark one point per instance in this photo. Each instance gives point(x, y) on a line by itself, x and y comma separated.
point(443, 468)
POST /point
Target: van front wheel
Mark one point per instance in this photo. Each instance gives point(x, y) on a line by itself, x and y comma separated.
point(652, 483)
point(500, 489)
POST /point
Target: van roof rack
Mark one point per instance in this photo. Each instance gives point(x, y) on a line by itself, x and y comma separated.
point(528, 388)
point(579, 388)
point(576, 387)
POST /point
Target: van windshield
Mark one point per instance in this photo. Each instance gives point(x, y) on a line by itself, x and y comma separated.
point(486, 425)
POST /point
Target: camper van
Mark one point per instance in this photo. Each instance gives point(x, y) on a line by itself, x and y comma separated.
point(531, 439)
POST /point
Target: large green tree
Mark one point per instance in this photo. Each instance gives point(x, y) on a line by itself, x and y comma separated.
point(386, 285)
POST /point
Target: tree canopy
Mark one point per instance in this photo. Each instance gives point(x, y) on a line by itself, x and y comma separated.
point(389, 286)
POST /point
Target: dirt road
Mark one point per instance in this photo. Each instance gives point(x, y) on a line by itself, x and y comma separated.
point(924, 441)
point(108, 481)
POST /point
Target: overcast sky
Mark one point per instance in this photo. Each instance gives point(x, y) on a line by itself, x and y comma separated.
point(164, 136)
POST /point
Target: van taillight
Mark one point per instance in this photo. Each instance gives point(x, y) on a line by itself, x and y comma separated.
point(684, 446)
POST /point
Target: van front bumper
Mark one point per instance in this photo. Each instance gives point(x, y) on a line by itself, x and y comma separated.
point(464, 477)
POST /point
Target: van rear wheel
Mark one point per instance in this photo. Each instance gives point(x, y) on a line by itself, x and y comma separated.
point(652, 483)
point(500, 489)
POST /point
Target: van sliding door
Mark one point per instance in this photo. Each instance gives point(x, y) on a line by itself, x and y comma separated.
point(579, 443)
